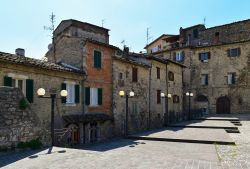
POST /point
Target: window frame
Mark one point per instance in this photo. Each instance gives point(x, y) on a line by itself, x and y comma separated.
point(158, 96)
point(206, 79)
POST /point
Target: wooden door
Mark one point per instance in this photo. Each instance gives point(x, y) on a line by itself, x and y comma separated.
point(223, 105)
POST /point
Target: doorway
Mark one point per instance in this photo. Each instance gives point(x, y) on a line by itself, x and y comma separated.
point(223, 105)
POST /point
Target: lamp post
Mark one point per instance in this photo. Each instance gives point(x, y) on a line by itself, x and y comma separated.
point(41, 94)
point(127, 95)
point(168, 96)
point(189, 94)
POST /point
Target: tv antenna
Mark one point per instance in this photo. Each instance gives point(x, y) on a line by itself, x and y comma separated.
point(148, 36)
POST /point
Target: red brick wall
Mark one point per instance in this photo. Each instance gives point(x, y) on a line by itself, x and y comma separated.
point(100, 78)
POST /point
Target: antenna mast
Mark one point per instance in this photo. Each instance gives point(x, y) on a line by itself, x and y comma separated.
point(51, 28)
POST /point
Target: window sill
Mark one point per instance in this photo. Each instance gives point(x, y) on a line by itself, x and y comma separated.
point(70, 104)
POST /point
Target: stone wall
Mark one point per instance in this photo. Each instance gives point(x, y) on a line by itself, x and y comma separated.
point(138, 105)
point(217, 68)
point(17, 124)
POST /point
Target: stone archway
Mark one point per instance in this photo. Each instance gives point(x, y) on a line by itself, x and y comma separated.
point(223, 105)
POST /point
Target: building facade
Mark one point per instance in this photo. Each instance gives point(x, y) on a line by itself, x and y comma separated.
point(217, 61)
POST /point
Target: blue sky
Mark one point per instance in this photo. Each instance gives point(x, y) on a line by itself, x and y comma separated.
point(22, 22)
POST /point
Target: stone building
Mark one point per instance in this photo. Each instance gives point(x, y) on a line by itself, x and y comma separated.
point(218, 65)
point(30, 118)
point(109, 70)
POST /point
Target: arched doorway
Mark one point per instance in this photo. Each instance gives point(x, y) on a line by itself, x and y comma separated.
point(223, 105)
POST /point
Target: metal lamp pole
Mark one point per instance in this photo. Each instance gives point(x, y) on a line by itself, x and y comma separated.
point(41, 93)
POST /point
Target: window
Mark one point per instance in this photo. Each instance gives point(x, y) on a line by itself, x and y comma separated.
point(231, 78)
point(158, 97)
point(73, 90)
point(21, 82)
point(217, 34)
point(204, 79)
point(71, 93)
point(203, 57)
point(176, 99)
point(93, 96)
point(233, 52)
point(179, 56)
point(134, 74)
point(170, 76)
point(195, 33)
point(97, 59)
point(120, 76)
point(158, 72)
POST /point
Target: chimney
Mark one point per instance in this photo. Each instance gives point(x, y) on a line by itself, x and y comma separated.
point(126, 49)
point(20, 52)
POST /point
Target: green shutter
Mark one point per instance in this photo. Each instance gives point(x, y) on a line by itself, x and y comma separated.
point(97, 59)
point(77, 93)
point(7, 81)
point(29, 90)
point(87, 95)
point(63, 87)
point(99, 96)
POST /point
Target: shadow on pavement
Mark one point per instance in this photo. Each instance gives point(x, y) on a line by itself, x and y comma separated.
point(8, 158)
point(110, 145)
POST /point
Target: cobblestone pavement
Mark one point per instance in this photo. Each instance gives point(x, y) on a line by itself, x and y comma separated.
point(124, 154)
point(237, 157)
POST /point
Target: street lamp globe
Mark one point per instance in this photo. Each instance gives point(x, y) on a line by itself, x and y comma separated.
point(41, 92)
point(191, 94)
point(121, 93)
point(162, 94)
point(169, 95)
point(64, 93)
point(187, 94)
point(131, 94)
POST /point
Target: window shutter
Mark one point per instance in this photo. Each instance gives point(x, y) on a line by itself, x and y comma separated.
point(95, 59)
point(77, 94)
point(206, 80)
point(233, 78)
point(239, 52)
point(63, 87)
point(228, 53)
point(87, 95)
point(209, 55)
point(134, 74)
point(7, 81)
point(99, 59)
point(99, 96)
point(174, 56)
point(29, 90)
point(199, 56)
point(182, 56)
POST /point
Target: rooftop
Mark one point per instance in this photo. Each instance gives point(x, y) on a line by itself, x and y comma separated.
point(21, 60)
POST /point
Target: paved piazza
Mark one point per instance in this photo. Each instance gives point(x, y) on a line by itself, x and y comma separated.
point(129, 154)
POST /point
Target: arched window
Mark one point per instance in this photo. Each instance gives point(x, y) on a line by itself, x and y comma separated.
point(170, 76)
point(176, 99)
point(201, 98)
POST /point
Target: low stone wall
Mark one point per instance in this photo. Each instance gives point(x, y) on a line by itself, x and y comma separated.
point(16, 124)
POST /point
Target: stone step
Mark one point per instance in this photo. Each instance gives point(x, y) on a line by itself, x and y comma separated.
point(232, 131)
point(181, 140)
point(221, 119)
point(209, 127)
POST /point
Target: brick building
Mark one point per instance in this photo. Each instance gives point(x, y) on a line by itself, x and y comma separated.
point(218, 65)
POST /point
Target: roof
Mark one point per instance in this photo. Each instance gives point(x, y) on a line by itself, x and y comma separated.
point(164, 61)
point(194, 26)
point(21, 60)
point(133, 58)
point(101, 43)
point(87, 117)
point(232, 23)
point(72, 22)
point(168, 35)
